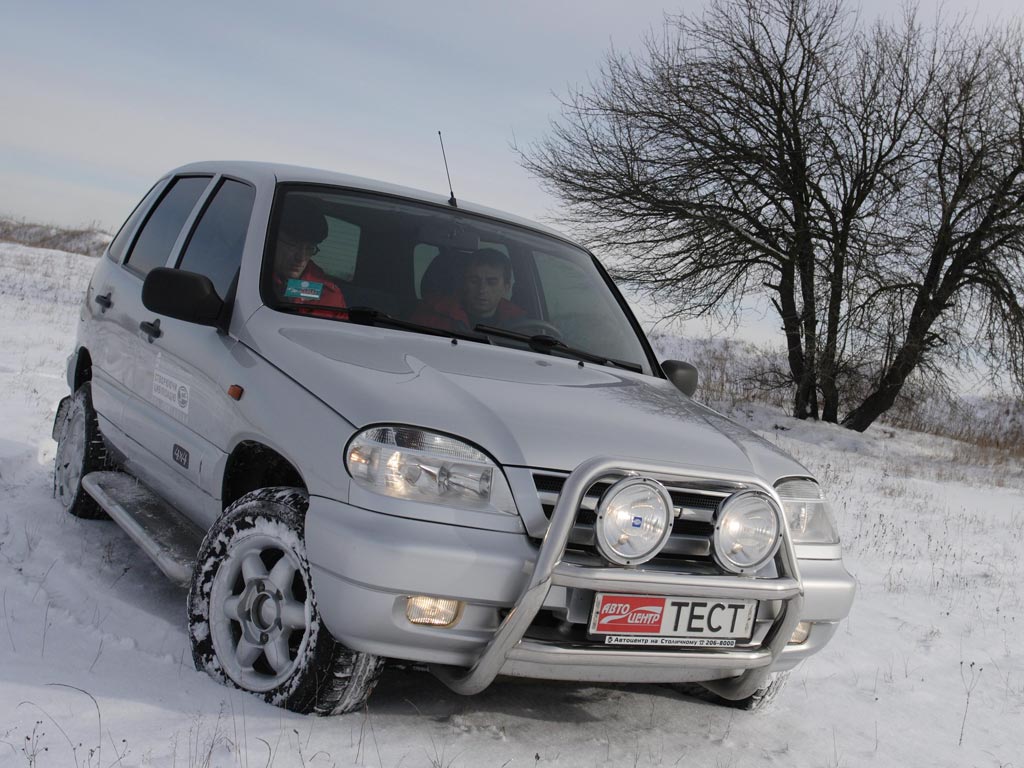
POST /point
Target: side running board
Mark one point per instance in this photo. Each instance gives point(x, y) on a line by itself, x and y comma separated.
point(163, 532)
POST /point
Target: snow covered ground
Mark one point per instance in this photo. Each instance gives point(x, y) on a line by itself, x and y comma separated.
point(95, 668)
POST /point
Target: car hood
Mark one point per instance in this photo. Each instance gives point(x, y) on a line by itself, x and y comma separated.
point(523, 408)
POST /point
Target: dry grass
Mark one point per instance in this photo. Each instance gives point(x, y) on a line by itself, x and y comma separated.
point(990, 429)
point(88, 240)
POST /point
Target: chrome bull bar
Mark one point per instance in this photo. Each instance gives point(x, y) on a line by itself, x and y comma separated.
point(508, 648)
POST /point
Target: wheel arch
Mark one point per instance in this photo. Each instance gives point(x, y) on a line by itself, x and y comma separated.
point(252, 465)
point(83, 369)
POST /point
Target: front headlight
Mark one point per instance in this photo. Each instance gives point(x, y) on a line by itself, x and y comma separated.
point(748, 531)
point(808, 514)
point(420, 465)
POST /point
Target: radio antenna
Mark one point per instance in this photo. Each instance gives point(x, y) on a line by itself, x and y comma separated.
point(451, 200)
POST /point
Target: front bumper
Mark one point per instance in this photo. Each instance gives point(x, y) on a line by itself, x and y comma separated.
point(365, 564)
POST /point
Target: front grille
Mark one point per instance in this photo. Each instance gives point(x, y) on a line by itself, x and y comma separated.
point(695, 502)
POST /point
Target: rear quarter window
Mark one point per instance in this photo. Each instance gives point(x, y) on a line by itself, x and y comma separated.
point(120, 242)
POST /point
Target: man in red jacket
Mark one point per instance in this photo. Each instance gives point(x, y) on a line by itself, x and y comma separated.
point(479, 298)
point(297, 279)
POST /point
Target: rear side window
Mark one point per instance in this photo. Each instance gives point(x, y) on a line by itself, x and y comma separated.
point(120, 242)
point(215, 248)
point(423, 256)
point(338, 252)
point(159, 233)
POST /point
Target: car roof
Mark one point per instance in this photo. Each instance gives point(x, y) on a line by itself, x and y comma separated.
point(263, 172)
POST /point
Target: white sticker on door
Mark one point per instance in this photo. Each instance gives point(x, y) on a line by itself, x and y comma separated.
point(171, 392)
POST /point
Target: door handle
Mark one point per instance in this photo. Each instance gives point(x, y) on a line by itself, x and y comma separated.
point(152, 330)
point(104, 301)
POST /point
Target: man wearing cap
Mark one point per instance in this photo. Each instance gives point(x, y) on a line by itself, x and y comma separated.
point(297, 279)
point(480, 297)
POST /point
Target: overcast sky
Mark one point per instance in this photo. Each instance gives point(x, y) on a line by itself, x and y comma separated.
point(98, 99)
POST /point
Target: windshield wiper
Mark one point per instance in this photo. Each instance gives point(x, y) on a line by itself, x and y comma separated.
point(371, 316)
point(543, 343)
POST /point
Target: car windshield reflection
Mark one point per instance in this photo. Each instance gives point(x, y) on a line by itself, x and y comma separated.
point(357, 257)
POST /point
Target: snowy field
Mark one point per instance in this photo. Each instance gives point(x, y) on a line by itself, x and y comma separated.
point(95, 668)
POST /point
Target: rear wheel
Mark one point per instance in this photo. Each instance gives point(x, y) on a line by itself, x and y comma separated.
point(80, 450)
point(253, 618)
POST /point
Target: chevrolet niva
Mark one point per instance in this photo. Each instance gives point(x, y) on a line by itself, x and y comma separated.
point(363, 422)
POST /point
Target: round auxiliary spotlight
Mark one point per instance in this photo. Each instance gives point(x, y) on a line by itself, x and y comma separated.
point(748, 531)
point(634, 520)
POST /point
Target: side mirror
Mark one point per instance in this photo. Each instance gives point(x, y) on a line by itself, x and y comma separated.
point(683, 375)
point(182, 295)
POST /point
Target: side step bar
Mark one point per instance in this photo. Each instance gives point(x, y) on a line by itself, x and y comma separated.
point(163, 532)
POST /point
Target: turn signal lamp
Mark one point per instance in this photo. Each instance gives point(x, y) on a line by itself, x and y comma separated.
point(801, 633)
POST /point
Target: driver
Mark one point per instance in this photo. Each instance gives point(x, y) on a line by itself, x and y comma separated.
point(297, 279)
point(480, 296)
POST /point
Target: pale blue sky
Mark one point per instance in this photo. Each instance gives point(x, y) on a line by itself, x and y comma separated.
point(100, 98)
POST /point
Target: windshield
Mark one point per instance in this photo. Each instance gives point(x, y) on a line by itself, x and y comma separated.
point(425, 269)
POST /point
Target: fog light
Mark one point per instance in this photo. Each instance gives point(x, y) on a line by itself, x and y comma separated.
point(433, 611)
point(800, 634)
point(748, 531)
point(634, 520)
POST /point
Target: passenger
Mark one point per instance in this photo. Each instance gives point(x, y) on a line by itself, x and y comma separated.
point(479, 298)
point(297, 279)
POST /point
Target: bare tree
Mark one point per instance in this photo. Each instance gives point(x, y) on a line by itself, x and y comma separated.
point(869, 109)
point(772, 147)
point(953, 291)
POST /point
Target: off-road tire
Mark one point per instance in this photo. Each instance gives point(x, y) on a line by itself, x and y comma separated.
point(760, 700)
point(323, 676)
point(80, 450)
point(763, 698)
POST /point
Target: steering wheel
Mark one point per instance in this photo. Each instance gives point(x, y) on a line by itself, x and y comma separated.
point(524, 324)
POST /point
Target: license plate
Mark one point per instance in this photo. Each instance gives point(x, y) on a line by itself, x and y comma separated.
point(696, 622)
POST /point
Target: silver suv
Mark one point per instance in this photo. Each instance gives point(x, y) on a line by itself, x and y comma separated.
point(363, 422)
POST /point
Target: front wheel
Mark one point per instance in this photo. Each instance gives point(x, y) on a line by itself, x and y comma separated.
point(253, 620)
point(762, 699)
point(759, 701)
